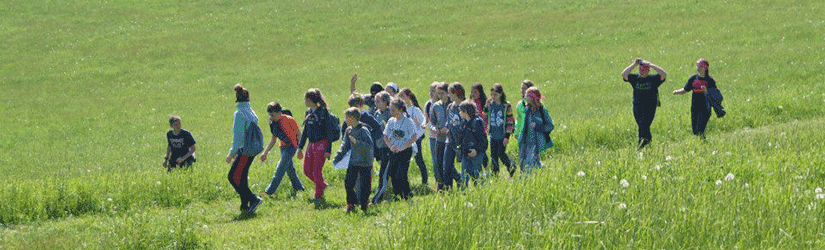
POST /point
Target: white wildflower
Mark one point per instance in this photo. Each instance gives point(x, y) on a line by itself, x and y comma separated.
point(598, 163)
point(820, 196)
point(469, 204)
point(818, 190)
point(780, 107)
point(658, 167)
point(644, 177)
point(109, 200)
point(614, 177)
point(668, 158)
point(622, 206)
point(580, 173)
point(715, 152)
point(157, 183)
point(729, 177)
point(718, 182)
point(624, 183)
point(747, 185)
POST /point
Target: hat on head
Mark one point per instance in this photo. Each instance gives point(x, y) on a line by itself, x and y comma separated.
point(391, 85)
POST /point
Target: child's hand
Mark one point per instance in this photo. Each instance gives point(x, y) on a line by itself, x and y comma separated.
point(180, 159)
point(229, 158)
point(300, 154)
point(352, 139)
point(165, 163)
point(472, 153)
point(532, 125)
point(263, 156)
point(506, 141)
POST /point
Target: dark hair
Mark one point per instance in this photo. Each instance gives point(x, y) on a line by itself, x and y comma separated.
point(316, 97)
point(411, 95)
point(355, 100)
point(527, 83)
point(274, 107)
point(480, 89)
point(469, 107)
point(353, 112)
point(376, 87)
point(456, 88)
point(500, 89)
point(383, 96)
point(443, 86)
point(241, 94)
point(173, 119)
point(399, 104)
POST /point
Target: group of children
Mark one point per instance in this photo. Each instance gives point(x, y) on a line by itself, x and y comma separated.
point(392, 129)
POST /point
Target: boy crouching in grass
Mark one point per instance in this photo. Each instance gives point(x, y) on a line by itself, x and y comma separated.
point(357, 140)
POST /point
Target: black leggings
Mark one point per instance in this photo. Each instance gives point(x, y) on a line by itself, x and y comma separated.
point(644, 115)
point(699, 117)
point(497, 152)
point(239, 178)
point(399, 163)
point(419, 160)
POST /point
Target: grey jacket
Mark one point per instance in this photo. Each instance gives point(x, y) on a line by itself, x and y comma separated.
point(362, 154)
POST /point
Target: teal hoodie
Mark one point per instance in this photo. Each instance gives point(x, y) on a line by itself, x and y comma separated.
point(243, 116)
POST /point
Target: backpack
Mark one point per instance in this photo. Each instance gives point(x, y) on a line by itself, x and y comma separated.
point(333, 127)
point(253, 142)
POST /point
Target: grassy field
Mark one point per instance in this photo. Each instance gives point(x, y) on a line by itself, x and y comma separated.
point(88, 86)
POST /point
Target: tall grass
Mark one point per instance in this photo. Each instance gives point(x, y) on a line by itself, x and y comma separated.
point(88, 86)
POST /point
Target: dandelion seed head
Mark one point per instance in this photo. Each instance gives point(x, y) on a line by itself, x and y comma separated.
point(820, 196)
point(747, 185)
point(580, 173)
point(644, 177)
point(668, 158)
point(715, 152)
point(598, 163)
point(729, 177)
point(718, 182)
point(622, 206)
point(818, 190)
point(658, 167)
point(624, 183)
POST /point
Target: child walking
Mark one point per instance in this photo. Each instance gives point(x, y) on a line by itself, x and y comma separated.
point(535, 137)
point(317, 130)
point(500, 126)
point(285, 128)
point(239, 172)
point(448, 172)
point(400, 134)
point(414, 111)
point(473, 142)
point(438, 132)
point(705, 96)
point(382, 115)
point(358, 142)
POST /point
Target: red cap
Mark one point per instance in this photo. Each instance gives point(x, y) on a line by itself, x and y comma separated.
point(702, 62)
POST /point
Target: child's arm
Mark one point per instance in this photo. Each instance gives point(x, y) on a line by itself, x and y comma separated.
point(269, 147)
point(345, 146)
point(168, 154)
point(510, 122)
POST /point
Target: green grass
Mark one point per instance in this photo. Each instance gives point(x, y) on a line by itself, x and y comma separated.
point(88, 86)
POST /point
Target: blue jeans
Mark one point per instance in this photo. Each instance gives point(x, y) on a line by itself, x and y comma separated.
point(448, 172)
point(528, 157)
point(437, 152)
point(470, 167)
point(285, 165)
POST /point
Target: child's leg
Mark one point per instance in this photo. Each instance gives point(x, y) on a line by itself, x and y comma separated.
point(383, 175)
point(349, 183)
point(363, 197)
point(399, 166)
point(286, 158)
point(419, 160)
point(496, 150)
point(436, 164)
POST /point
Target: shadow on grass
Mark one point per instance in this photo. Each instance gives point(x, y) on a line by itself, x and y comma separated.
point(244, 216)
point(321, 203)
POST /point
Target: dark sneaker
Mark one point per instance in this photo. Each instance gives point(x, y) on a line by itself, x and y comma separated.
point(254, 205)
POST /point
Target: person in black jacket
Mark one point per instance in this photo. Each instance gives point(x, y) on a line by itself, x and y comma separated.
point(317, 130)
point(702, 85)
point(473, 142)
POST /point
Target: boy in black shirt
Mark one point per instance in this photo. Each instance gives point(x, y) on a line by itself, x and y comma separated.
point(180, 150)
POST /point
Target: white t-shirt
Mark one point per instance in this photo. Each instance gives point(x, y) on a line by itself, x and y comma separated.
point(400, 131)
point(418, 118)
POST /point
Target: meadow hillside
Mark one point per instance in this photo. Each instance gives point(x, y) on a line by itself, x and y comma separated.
point(88, 87)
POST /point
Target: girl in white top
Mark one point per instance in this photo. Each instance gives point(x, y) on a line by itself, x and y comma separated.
point(399, 135)
point(414, 110)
